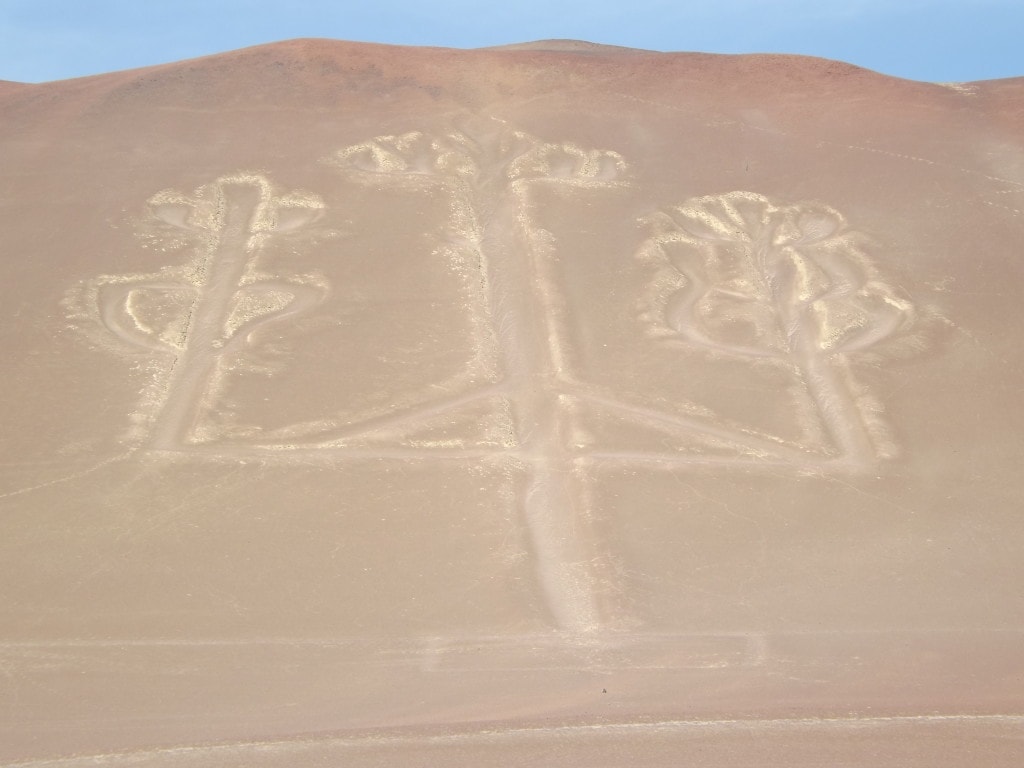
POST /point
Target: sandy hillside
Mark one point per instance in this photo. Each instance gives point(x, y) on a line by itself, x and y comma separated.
point(371, 405)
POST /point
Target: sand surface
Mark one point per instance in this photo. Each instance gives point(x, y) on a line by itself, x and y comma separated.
point(551, 404)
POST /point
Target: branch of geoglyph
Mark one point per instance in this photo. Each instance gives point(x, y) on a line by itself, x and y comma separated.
point(685, 309)
point(566, 162)
point(409, 155)
point(783, 269)
point(853, 310)
point(114, 300)
point(202, 214)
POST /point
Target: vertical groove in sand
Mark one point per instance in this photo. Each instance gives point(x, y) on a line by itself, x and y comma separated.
point(205, 329)
point(528, 348)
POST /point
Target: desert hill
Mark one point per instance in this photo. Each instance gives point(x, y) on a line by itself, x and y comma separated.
point(365, 404)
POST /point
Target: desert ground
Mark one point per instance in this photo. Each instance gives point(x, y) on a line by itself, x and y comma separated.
point(554, 404)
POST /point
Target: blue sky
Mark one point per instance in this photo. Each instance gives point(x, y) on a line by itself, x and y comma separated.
point(937, 40)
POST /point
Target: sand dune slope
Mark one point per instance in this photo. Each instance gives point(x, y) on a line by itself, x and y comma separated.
point(371, 405)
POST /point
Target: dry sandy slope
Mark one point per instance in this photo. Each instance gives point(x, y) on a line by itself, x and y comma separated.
point(369, 404)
